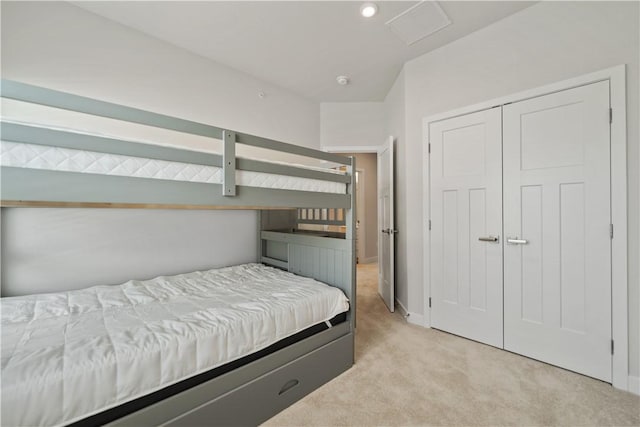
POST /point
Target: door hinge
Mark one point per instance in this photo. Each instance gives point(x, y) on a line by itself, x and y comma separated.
point(611, 231)
point(429, 224)
point(429, 148)
point(429, 302)
point(612, 347)
point(610, 115)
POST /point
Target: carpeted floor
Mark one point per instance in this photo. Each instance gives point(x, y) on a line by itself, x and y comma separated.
point(408, 375)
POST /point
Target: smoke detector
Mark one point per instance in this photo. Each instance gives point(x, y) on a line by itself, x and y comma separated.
point(342, 80)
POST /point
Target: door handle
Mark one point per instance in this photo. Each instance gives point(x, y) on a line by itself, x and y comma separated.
point(516, 241)
point(488, 239)
point(385, 231)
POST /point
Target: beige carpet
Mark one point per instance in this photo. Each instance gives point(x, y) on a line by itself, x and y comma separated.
point(408, 375)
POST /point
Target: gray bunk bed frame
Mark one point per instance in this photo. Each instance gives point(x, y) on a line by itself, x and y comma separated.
point(254, 392)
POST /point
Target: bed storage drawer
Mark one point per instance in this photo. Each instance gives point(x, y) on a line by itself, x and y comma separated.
point(260, 399)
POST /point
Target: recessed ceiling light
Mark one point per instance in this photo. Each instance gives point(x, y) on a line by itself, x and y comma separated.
point(368, 10)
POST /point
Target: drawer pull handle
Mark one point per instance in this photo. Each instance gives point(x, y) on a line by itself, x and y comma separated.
point(288, 386)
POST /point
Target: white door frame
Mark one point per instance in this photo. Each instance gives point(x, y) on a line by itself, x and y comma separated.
point(619, 298)
point(361, 231)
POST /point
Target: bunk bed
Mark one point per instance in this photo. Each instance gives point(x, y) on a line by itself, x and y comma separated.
point(300, 292)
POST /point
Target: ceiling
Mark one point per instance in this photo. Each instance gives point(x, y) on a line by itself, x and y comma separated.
point(301, 45)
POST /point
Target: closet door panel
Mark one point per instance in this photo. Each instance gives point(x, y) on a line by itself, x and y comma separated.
point(466, 217)
point(557, 213)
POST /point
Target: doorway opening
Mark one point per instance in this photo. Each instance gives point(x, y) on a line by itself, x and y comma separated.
point(375, 232)
point(366, 206)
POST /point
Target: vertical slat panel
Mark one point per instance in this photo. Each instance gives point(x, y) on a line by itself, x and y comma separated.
point(531, 199)
point(304, 256)
point(349, 267)
point(309, 260)
point(299, 259)
point(331, 266)
point(572, 256)
point(291, 257)
point(327, 265)
point(323, 264)
point(314, 255)
point(339, 267)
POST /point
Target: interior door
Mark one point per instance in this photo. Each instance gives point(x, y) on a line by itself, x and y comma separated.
point(556, 225)
point(386, 225)
point(466, 223)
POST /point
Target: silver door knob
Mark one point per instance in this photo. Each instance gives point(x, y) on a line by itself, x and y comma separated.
point(516, 241)
point(488, 239)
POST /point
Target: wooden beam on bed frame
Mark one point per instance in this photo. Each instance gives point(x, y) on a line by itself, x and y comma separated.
point(44, 204)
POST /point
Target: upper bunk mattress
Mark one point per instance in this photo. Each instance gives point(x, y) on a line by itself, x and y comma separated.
point(69, 355)
point(34, 156)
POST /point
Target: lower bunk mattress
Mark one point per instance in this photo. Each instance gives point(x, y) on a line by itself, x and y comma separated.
point(67, 356)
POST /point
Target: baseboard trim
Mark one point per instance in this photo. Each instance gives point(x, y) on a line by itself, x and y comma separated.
point(401, 308)
point(634, 385)
point(413, 318)
point(416, 319)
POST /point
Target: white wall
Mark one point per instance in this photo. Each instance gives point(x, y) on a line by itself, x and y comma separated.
point(50, 250)
point(60, 46)
point(548, 42)
point(350, 124)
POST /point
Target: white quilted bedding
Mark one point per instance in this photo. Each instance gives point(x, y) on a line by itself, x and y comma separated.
point(66, 356)
point(33, 156)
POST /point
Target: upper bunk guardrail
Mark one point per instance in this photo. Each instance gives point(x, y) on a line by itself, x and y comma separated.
point(52, 98)
point(73, 139)
point(18, 132)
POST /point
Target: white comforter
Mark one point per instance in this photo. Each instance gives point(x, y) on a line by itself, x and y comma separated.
point(66, 356)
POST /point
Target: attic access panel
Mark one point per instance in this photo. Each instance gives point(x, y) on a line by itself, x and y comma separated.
point(419, 21)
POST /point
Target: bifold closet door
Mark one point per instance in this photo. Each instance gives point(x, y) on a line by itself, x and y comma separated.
point(557, 249)
point(466, 223)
